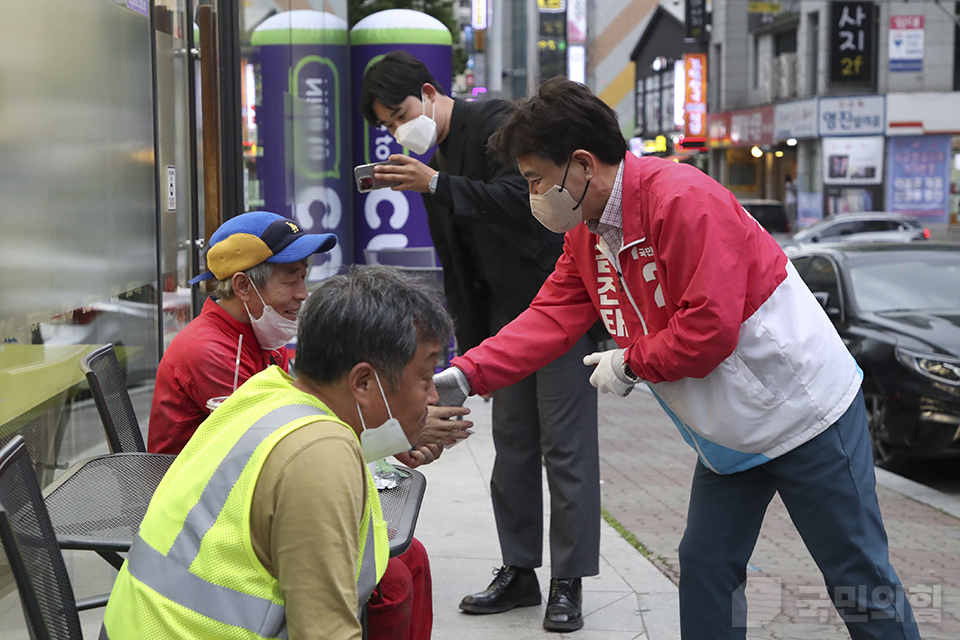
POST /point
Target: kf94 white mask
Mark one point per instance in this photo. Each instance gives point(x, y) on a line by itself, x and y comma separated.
point(386, 440)
point(418, 134)
point(273, 331)
point(556, 209)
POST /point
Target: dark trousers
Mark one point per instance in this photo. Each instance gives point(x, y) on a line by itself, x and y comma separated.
point(829, 489)
point(550, 415)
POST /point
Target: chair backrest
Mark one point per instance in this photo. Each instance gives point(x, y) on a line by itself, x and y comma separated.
point(109, 388)
point(410, 257)
point(420, 262)
point(30, 544)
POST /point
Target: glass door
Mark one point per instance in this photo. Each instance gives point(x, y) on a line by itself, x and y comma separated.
point(178, 174)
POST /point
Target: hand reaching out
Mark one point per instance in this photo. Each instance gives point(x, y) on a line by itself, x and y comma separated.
point(442, 428)
point(452, 385)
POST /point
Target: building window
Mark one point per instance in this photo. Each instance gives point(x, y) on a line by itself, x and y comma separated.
point(639, 107)
point(785, 42)
point(956, 52)
point(666, 100)
point(742, 174)
point(715, 69)
point(651, 102)
point(813, 54)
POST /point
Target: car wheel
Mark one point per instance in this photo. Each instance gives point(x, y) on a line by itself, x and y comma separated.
point(876, 420)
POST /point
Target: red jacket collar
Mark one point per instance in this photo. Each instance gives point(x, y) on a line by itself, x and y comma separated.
point(633, 228)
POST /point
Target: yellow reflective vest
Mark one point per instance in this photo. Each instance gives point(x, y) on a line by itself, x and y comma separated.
point(192, 572)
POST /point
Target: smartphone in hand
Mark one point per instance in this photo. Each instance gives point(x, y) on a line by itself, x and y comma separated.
point(365, 179)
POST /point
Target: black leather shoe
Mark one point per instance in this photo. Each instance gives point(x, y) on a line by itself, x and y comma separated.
point(564, 609)
point(511, 588)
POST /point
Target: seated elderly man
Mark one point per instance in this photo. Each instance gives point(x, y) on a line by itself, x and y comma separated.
point(259, 260)
point(268, 524)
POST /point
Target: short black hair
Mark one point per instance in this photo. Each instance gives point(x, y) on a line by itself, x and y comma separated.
point(563, 117)
point(390, 80)
point(373, 314)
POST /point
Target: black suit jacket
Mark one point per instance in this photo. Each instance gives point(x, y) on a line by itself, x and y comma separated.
point(494, 253)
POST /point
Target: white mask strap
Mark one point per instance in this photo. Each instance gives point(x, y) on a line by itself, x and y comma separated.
point(433, 106)
point(257, 291)
point(383, 394)
point(363, 426)
point(250, 315)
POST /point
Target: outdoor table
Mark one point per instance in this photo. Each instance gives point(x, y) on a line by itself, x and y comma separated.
point(99, 503)
point(401, 508)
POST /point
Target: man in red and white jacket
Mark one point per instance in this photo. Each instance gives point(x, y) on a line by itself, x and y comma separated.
point(706, 310)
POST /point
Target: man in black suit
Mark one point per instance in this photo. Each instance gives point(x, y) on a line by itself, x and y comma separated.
point(495, 256)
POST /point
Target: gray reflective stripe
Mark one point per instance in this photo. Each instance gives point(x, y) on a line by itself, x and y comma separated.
point(367, 581)
point(207, 509)
point(179, 585)
point(170, 576)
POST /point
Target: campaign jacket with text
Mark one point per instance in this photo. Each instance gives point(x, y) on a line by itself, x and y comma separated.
point(712, 315)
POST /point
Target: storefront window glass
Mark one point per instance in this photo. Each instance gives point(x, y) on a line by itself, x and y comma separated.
point(652, 103)
point(666, 102)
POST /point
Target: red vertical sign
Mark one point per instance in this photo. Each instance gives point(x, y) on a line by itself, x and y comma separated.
point(695, 94)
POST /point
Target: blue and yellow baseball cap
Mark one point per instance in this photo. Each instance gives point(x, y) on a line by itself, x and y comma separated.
point(247, 240)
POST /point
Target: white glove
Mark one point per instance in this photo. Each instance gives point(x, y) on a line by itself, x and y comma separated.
point(609, 376)
point(452, 385)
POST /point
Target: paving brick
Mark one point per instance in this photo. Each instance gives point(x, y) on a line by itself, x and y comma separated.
point(646, 468)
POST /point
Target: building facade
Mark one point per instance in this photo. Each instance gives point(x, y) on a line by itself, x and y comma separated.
point(857, 102)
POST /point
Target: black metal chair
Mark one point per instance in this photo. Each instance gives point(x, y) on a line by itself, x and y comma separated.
point(109, 388)
point(422, 263)
point(31, 549)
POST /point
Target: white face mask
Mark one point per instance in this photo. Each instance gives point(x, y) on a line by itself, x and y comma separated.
point(556, 209)
point(418, 134)
point(273, 331)
point(386, 440)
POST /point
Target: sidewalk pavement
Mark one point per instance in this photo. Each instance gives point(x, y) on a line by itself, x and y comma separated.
point(646, 470)
point(629, 599)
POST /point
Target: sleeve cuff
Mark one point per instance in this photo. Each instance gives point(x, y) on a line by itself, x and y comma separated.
point(443, 193)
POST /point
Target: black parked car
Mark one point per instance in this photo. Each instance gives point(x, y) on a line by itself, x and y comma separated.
point(897, 308)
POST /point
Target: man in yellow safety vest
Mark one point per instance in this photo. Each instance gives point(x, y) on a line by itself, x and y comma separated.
point(268, 524)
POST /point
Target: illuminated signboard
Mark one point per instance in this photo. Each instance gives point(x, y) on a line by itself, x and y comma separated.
point(478, 14)
point(695, 19)
point(695, 94)
point(552, 43)
point(577, 22)
point(851, 41)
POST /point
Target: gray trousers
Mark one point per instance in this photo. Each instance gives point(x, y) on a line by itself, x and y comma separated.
point(550, 415)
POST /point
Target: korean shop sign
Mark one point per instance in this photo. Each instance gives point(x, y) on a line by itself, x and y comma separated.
point(852, 116)
point(918, 170)
point(852, 45)
point(695, 94)
point(750, 127)
point(695, 19)
point(906, 43)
